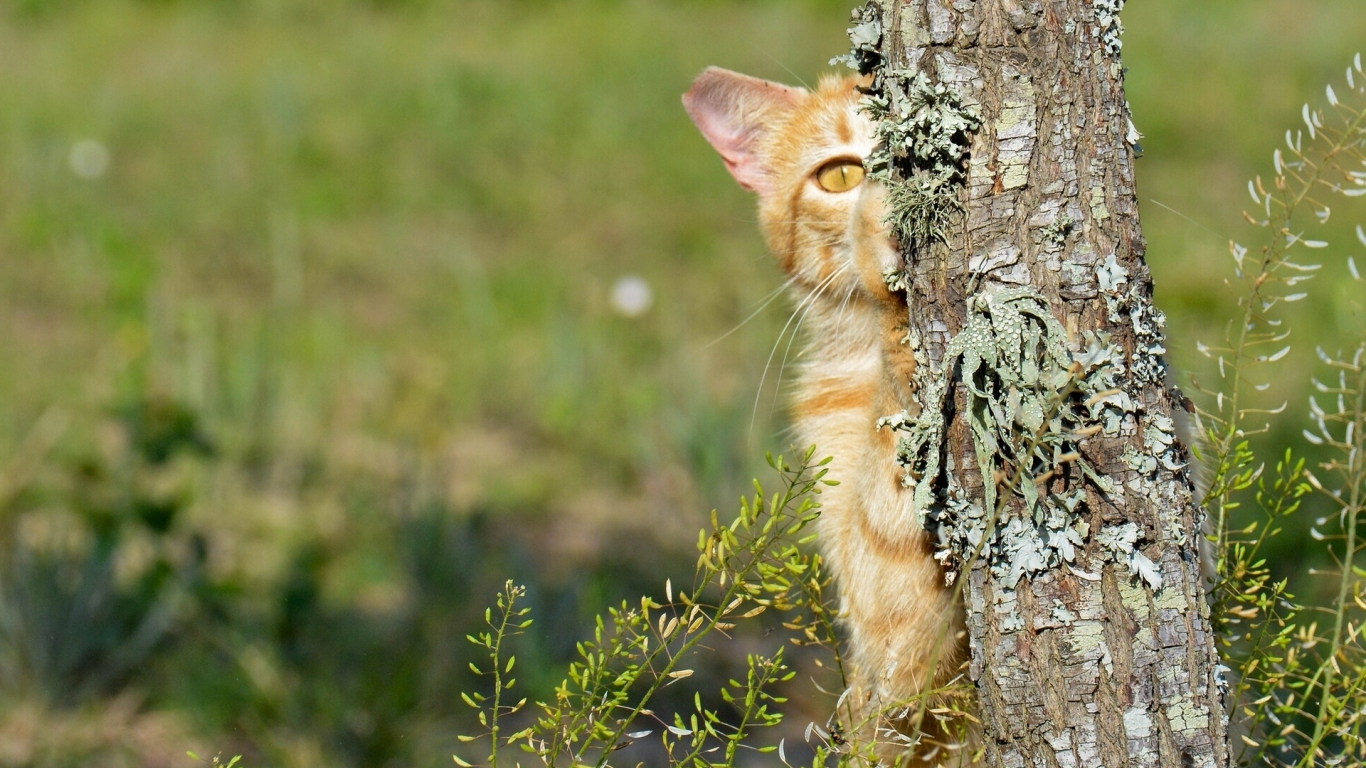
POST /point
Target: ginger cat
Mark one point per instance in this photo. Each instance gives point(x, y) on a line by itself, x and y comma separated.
point(802, 153)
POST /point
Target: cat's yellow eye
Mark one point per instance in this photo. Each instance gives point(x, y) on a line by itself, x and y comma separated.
point(840, 175)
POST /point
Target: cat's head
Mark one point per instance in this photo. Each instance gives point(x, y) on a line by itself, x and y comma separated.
point(802, 153)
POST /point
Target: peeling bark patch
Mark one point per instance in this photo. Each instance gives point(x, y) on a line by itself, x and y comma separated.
point(1187, 716)
point(1138, 724)
point(998, 256)
point(1015, 130)
point(1098, 210)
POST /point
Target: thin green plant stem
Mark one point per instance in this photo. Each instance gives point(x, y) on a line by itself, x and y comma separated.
point(1355, 474)
point(498, 672)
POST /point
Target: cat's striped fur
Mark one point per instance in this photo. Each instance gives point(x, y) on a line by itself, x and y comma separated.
point(904, 626)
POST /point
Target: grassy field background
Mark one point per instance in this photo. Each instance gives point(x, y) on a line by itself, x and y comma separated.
point(322, 350)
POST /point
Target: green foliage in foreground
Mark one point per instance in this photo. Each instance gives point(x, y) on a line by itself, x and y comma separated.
point(756, 563)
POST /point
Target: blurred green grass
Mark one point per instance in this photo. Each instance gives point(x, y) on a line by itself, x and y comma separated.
point(333, 342)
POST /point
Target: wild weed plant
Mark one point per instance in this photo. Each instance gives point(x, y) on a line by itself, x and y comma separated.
point(1297, 683)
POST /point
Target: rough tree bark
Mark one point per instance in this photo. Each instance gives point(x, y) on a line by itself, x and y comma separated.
point(1090, 634)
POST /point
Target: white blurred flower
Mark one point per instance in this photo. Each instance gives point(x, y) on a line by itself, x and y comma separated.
point(632, 296)
point(89, 159)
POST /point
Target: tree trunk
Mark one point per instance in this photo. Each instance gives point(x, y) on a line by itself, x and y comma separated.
point(1044, 456)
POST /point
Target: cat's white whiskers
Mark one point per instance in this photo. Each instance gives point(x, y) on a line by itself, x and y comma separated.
point(759, 394)
point(822, 237)
point(782, 367)
point(844, 306)
point(766, 300)
point(830, 241)
point(781, 64)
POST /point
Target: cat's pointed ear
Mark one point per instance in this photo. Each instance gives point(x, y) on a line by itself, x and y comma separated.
point(732, 111)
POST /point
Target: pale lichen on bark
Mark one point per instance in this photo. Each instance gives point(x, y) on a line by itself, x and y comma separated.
point(1090, 634)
